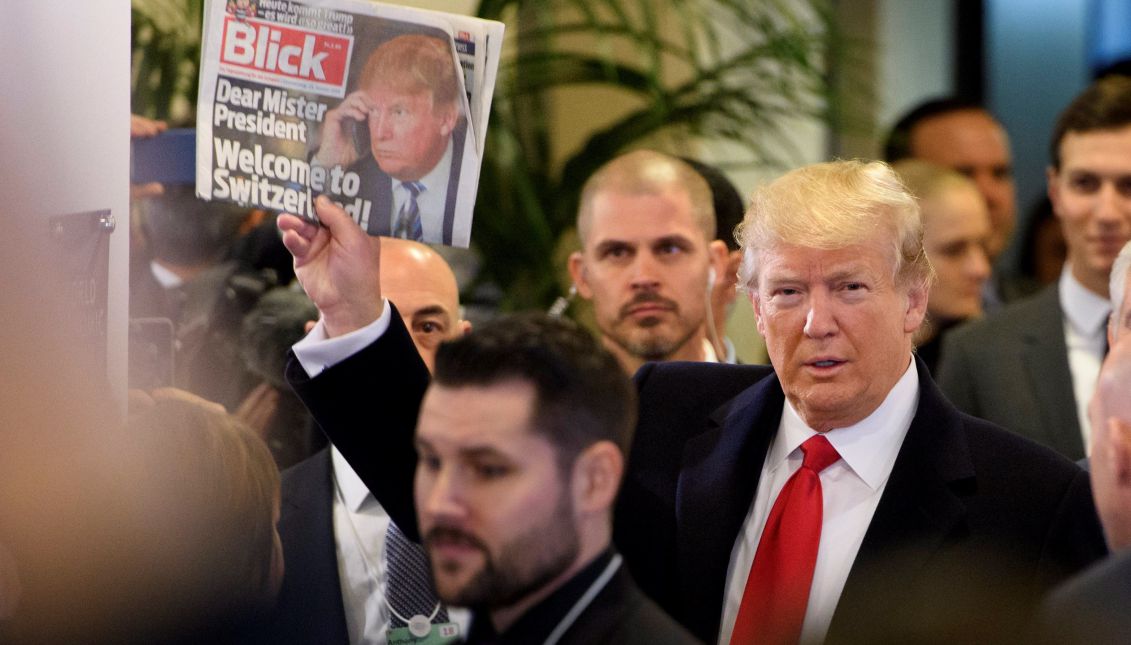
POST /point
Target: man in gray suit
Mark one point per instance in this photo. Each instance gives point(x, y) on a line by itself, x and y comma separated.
point(1032, 366)
point(1093, 607)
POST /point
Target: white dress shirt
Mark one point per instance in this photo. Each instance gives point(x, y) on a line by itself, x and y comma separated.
point(431, 200)
point(1085, 334)
point(166, 278)
point(360, 522)
point(851, 491)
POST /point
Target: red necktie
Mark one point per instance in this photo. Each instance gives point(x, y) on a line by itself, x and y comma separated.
point(777, 591)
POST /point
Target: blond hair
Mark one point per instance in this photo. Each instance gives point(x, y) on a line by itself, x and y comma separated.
point(414, 63)
point(831, 206)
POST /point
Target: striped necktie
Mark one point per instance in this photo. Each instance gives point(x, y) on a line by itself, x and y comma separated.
point(408, 219)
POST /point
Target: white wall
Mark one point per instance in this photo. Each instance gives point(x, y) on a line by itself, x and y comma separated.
point(64, 127)
point(914, 55)
point(1036, 57)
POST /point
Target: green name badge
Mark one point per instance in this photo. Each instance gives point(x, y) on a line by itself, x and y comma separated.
point(440, 634)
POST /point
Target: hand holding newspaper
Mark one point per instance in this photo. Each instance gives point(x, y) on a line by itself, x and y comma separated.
point(383, 109)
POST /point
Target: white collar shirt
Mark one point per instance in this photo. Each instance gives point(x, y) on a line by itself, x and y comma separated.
point(166, 278)
point(1085, 335)
point(851, 491)
point(431, 200)
point(360, 524)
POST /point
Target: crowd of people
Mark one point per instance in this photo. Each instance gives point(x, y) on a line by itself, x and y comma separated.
point(321, 449)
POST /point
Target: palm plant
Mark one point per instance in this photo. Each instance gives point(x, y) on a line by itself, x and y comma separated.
point(721, 69)
point(695, 70)
point(166, 58)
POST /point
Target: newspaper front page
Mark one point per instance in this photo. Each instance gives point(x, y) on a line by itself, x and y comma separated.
point(381, 108)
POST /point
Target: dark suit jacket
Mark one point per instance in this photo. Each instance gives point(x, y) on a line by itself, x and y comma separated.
point(1093, 608)
point(1011, 368)
point(309, 608)
point(622, 615)
point(378, 187)
point(618, 615)
point(974, 523)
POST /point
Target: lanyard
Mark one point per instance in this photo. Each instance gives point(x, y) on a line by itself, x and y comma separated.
point(583, 602)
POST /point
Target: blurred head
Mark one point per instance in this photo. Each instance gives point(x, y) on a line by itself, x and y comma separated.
point(647, 229)
point(1089, 181)
point(421, 284)
point(956, 229)
point(963, 136)
point(413, 88)
point(1110, 460)
point(1043, 249)
point(833, 259)
point(215, 492)
point(729, 209)
point(1120, 320)
point(184, 231)
point(521, 442)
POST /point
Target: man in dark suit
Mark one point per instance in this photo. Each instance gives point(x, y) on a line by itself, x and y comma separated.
point(912, 516)
point(521, 441)
point(1032, 366)
point(330, 595)
point(1094, 606)
point(409, 96)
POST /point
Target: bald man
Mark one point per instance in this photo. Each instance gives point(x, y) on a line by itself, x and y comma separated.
point(332, 528)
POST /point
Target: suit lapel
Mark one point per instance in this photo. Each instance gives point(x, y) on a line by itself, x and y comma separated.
point(919, 508)
point(1045, 356)
point(311, 595)
point(717, 482)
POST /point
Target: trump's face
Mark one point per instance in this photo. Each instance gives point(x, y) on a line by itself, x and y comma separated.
point(408, 132)
point(837, 326)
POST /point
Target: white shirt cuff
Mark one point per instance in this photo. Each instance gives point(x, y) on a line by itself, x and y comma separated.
point(315, 352)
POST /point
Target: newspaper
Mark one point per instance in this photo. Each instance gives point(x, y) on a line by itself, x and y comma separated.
point(381, 108)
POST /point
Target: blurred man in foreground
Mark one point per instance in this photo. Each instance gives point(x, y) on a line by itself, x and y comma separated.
point(520, 443)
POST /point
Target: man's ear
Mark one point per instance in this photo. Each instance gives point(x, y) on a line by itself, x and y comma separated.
point(579, 275)
point(1119, 436)
point(916, 307)
point(717, 250)
point(463, 328)
point(597, 473)
point(1053, 188)
point(753, 296)
point(451, 118)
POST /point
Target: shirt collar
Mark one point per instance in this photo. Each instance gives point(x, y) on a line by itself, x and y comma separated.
point(709, 353)
point(1087, 312)
point(437, 177)
point(354, 492)
point(166, 278)
point(869, 447)
point(542, 619)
